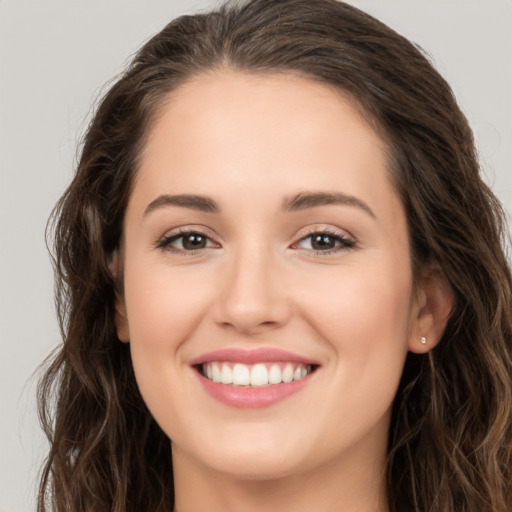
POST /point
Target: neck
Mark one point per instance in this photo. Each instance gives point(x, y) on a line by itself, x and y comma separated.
point(352, 483)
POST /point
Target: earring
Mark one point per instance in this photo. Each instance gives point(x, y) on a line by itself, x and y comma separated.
point(423, 340)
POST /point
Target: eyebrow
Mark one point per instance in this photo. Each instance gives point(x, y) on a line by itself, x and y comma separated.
point(300, 201)
point(194, 202)
point(305, 200)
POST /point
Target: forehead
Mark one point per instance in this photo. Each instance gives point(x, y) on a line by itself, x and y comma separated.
point(230, 131)
point(238, 105)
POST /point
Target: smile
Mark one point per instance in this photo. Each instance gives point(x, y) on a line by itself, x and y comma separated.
point(250, 379)
point(256, 375)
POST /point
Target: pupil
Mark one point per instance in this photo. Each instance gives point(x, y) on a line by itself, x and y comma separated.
point(194, 241)
point(322, 242)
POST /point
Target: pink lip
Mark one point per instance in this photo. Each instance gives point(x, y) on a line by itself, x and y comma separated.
point(260, 355)
point(251, 398)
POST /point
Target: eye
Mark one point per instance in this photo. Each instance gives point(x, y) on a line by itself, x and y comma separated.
point(186, 242)
point(325, 242)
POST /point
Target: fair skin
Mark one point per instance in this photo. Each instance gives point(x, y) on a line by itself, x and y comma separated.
point(250, 265)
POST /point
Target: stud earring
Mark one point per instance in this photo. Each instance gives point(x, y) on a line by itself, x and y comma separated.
point(423, 340)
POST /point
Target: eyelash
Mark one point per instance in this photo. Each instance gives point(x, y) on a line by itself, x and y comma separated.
point(340, 238)
point(345, 243)
point(166, 242)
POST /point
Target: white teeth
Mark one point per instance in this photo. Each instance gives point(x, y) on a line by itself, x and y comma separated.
point(274, 375)
point(287, 373)
point(240, 375)
point(257, 375)
point(226, 374)
point(216, 375)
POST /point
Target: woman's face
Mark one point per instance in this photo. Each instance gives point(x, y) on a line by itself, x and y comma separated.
point(264, 242)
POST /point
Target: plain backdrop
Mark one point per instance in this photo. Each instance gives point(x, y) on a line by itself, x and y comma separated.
point(56, 57)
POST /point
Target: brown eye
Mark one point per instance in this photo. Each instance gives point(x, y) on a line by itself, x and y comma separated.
point(325, 242)
point(186, 242)
point(322, 242)
point(194, 241)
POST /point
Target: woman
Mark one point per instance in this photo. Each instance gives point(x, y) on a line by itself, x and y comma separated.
point(282, 284)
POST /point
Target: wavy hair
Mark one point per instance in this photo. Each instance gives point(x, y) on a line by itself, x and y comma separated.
point(450, 444)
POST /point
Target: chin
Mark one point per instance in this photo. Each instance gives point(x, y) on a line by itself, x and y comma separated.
point(253, 456)
point(257, 466)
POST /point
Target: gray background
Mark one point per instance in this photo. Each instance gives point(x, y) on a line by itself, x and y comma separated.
point(56, 56)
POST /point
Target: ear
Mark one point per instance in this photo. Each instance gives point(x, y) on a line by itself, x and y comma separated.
point(121, 318)
point(435, 302)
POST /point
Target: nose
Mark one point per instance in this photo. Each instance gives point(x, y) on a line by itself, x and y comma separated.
point(252, 299)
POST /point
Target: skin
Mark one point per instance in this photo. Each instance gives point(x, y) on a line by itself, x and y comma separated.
point(250, 143)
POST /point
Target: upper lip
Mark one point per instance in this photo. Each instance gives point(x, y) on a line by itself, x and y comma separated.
point(260, 355)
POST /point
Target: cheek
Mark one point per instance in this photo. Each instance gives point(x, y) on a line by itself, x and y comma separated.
point(163, 305)
point(365, 316)
point(352, 302)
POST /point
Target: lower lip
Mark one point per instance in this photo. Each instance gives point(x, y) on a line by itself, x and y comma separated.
point(252, 398)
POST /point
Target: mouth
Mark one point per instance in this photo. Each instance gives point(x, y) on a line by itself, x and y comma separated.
point(253, 379)
point(255, 375)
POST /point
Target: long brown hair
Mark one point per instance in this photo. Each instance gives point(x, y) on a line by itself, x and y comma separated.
point(450, 446)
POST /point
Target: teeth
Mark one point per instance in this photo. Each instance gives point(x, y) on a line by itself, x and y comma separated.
point(257, 375)
point(241, 375)
point(226, 375)
point(287, 373)
point(274, 375)
point(216, 375)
